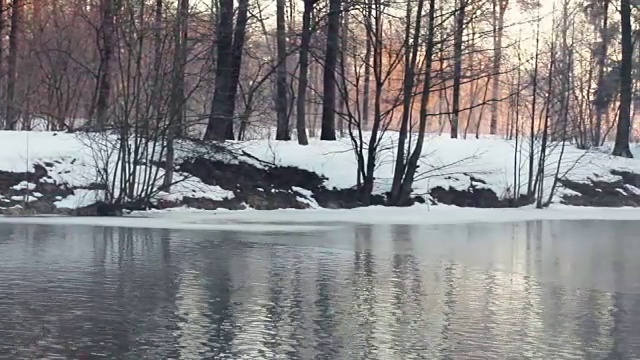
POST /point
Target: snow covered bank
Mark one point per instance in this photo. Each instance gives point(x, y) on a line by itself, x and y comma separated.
point(291, 220)
point(57, 173)
point(414, 215)
point(448, 163)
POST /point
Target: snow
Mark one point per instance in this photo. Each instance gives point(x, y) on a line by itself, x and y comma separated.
point(323, 219)
point(80, 198)
point(632, 189)
point(158, 223)
point(446, 162)
point(192, 187)
point(307, 197)
point(70, 161)
point(414, 215)
point(24, 185)
point(27, 198)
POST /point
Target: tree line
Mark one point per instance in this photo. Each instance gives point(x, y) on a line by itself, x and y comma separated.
point(225, 70)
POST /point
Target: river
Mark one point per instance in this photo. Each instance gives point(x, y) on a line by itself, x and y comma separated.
point(537, 290)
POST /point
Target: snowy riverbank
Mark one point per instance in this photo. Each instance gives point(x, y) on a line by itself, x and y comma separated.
point(56, 173)
point(291, 220)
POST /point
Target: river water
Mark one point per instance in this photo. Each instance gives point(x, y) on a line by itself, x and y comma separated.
point(537, 290)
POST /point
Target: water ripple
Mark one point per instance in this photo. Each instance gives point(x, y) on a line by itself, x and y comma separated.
point(556, 290)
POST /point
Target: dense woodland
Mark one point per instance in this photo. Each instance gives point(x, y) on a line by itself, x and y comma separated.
point(533, 71)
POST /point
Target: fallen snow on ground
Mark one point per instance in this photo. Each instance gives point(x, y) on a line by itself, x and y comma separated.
point(80, 198)
point(291, 220)
point(307, 197)
point(415, 215)
point(24, 185)
point(162, 223)
point(69, 160)
point(193, 187)
point(446, 162)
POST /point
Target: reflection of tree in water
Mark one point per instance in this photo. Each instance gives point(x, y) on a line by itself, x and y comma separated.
point(219, 287)
point(363, 283)
point(125, 292)
point(408, 294)
point(126, 289)
point(143, 295)
point(490, 301)
point(450, 302)
point(624, 326)
point(101, 275)
point(297, 315)
point(327, 343)
point(40, 235)
point(593, 330)
point(161, 319)
point(7, 236)
point(191, 316)
point(275, 304)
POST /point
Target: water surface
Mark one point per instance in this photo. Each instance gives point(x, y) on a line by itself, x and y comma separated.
point(538, 290)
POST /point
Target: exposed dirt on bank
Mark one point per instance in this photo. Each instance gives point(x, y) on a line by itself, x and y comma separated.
point(598, 193)
point(268, 187)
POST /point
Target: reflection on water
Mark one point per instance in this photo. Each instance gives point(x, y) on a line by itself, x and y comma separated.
point(510, 291)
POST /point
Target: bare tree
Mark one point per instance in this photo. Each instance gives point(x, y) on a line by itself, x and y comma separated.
point(3, 11)
point(407, 160)
point(344, 68)
point(305, 44)
point(282, 108)
point(367, 67)
point(329, 80)
point(177, 99)
point(230, 44)
point(13, 112)
point(499, 8)
point(621, 147)
point(109, 9)
point(457, 70)
point(602, 100)
point(400, 194)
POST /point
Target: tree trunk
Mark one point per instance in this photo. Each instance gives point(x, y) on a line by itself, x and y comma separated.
point(3, 10)
point(407, 95)
point(221, 116)
point(281, 103)
point(13, 111)
point(344, 72)
point(621, 147)
point(403, 197)
point(304, 73)
point(313, 105)
point(236, 59)
point(329, 81)
point(601, 108)
point(375, 32)
point(499, 9)
point(104, 76)
point(532, 133)
point(157, 65)
point(230, 44)
point(177, 102)
point(457, 68)
point(367, 71)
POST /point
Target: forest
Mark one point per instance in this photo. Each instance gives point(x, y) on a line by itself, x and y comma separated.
point(135, 75)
